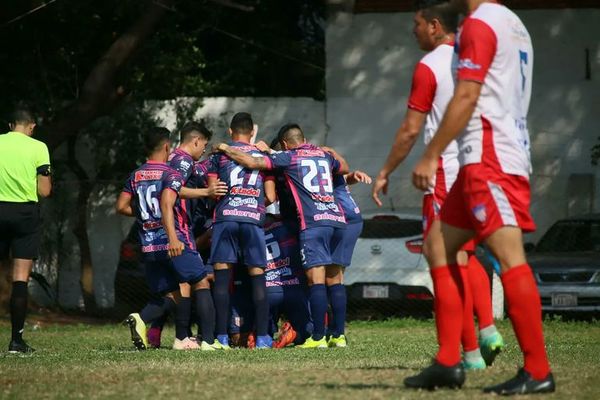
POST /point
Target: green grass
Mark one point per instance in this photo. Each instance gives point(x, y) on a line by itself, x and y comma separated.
point(96, 361)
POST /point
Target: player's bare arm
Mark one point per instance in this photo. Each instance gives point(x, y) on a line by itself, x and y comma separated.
point(458, 114)
point(44, 185)
point(406, 137)
point(243, 159)
point(215, 188)
point(167, 201)
point(123, 205)
point(270, 193)
point(344, 168)
point(357, 176)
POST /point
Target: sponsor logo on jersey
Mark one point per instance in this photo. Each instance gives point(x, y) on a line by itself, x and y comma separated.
point(238, 202)
point(244, 191)
point(147, 175)
point(239, 213)
point(310, 153)
point(150, 225)
point(479, 213)
point(284, 262)
point(323, 198)
point(467, 63)
point(329, 217)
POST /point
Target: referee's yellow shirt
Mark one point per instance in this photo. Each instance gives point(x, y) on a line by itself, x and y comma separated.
point(20, 156)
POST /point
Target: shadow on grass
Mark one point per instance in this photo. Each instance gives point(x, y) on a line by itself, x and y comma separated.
point(358, 386)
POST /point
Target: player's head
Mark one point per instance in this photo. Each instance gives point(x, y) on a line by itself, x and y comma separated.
point(241, 126)
point(157, 144)
point(461, 6)
point(291, 136)
point(23, 119)
point(434, 21)
point(194, 137)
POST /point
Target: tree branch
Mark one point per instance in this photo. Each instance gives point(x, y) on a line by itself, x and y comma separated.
point(233, 4)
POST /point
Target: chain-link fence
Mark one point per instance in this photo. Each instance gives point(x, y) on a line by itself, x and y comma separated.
point(91, 260)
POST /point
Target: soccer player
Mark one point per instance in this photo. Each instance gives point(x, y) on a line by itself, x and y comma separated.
point(150, 195)
point(238, 236)
point(491, 197)
point(24, 177)
point(286, 281)
point(308, 171)
point(431, 91)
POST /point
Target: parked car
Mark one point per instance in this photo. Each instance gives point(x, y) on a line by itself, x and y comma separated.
point(389, 271)
point(566, 264)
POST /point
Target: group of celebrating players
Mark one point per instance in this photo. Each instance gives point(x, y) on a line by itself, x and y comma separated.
point(269, 215)
point(283, 224)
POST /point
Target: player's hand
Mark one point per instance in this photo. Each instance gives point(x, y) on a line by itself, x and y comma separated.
point(217, 188)
point(262, 146)
point(221, 147)
point(380, 185)
point(362, 177)
point(327, 149)
point(424, 172)
point(175, 248)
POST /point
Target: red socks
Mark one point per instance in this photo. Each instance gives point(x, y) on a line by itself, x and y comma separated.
point(525, 312)
point(479, 282)
point(468, 336)
point(448, 310)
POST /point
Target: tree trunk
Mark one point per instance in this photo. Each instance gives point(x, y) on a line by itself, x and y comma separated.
point(80, 229)
point(100, 93)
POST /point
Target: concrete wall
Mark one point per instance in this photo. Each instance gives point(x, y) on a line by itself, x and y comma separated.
point(370, 59)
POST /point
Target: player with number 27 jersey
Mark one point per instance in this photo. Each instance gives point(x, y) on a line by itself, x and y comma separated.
point(245, 201)
point(145, 186)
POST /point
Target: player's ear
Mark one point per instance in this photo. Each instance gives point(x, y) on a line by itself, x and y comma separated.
point(229, 131)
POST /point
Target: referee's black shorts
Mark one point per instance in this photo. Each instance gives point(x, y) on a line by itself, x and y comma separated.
point(19, 230)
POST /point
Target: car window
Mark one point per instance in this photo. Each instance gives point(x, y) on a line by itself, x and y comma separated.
point(391, 228)
point(571, 236)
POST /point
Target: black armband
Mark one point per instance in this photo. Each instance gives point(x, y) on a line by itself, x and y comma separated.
point(44, 170)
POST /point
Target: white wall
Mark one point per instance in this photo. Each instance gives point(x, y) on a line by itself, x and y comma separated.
point(370, 59)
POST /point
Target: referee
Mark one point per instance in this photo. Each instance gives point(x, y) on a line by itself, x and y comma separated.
point(24, 174)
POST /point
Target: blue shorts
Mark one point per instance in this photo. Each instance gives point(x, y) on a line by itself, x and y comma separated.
point(160, 277)
point(189, 267)
point(321, 246)
point(238, 242)
point(293, 302)
point(351, 234)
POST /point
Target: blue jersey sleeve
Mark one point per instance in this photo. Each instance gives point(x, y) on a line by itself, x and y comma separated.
point(183, 166)
point(335, 164)
point(281, 159)
point(174, 181)
point(128, 188)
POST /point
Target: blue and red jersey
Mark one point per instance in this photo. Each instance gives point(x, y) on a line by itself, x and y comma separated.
point(344, 198)
point(309, 173)
point(145, 185)
point(245, 201)
point(284, 266)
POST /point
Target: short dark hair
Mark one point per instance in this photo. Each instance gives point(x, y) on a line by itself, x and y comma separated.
point(187, 132)
point(290, 132)
point(441, 10)
point(242, 123)
point(155, 138)
point(22, 115)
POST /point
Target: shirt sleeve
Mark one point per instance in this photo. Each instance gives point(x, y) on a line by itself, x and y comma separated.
point(281, 159)
point(424, 86)
point(335, 164)
point(212, 166)
point(128, 187)
point(477, 49)
point(183, 167)
point(43, 156)
point(174, 181)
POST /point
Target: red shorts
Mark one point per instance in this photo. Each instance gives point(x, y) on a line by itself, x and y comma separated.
point(484, 200)
point(431, 212)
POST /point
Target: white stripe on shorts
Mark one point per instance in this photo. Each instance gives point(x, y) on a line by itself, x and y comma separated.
point(504, 208)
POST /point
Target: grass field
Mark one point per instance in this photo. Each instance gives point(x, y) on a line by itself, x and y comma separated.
point(97, 361)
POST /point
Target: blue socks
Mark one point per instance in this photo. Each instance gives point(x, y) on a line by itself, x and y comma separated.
point(318, 308)
point(221, 298)
point(182, 318)
point(157, 309)
point(337, 298)
point(205, 310)
point(261, 304)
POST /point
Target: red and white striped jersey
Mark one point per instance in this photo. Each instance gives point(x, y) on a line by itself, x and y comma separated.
point(494, 48)
point(432, 89)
